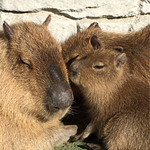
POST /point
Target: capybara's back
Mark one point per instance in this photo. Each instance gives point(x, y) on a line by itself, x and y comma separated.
point(34, 89)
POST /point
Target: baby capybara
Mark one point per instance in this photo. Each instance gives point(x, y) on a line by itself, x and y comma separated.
point(118, 101)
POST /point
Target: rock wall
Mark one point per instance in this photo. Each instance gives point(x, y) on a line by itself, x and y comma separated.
point(69, 16)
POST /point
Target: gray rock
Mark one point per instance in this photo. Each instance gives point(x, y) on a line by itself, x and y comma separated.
point(75, 9)
point(25, 5)
point(145, 6)
point(114, 16)
point(108, 9)
point(60, 27)
point(123, 25)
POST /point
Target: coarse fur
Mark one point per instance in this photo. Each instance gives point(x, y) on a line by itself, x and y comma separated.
point(31, 71)
point(136, 45)
point(118, 101)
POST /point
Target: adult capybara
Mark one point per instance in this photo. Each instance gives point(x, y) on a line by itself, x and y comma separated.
point(34, 88)
point(118, 101)
point(136, 45)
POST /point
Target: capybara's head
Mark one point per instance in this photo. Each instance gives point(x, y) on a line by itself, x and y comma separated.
point(34, 67)
point(81, 44)
point(98, 70)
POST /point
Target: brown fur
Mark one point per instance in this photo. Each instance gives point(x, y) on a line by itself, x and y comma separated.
point(118, 101)
point(135, 44)
point(27, 50)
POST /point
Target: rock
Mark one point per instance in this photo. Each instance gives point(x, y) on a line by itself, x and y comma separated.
point(76, 10)
point(60, 27)
point(24, 5)
point(141, 22)
point(108, 9)
point(115, 25)
point(145, 6)
point(123, 25)
point(68, 16)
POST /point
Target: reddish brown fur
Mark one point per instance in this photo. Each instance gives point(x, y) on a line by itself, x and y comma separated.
point(135, 44)
point(25, 59)
point(118, 102)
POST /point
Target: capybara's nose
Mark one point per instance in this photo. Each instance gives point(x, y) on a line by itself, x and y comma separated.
point(61, 96)
point(74, 67)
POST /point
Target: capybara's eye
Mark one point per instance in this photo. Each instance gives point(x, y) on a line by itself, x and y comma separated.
point(98, 65)
point(118, 48)
point(25, 62)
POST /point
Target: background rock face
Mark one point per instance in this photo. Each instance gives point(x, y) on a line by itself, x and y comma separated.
point(70, 15)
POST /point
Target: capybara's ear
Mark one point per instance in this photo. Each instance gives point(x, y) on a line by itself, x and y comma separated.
point(9, 32)
point(47, 21)
point(95, 42)
point(118, 48)
point(120, 60)
point(94, 24)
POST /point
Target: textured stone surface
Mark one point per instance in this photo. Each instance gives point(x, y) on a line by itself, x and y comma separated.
point(123, 25)
point(145, 6)
point(75, 9)
point(109, 8)
point(141, 21)
point(115, 25)
point(60, 27)
point(29, 5)
point(69, 15)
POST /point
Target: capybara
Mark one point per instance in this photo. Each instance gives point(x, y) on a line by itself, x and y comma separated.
point(136, 45)
point(118, 101)
point(34, 88)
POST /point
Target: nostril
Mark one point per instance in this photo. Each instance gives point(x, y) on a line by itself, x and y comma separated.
point(56, 107)
point(71, 61)
point(73, 73)
point(73, 68)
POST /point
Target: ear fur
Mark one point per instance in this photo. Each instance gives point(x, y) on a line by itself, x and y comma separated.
point(95, 42)
point(9, 32)
point(120, 60)
point(94, 24)
point(47, 21)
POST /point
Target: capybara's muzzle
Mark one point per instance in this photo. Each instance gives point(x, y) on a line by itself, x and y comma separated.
point(60, 95)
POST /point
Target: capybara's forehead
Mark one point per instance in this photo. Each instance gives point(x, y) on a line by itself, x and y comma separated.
point(103, 54)
point(30, 36)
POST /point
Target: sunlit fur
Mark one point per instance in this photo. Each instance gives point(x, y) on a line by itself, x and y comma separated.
point(25, 123)
point(117, 101)
point(135, 44)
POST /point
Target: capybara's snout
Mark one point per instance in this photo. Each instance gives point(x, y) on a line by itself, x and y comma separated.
point(60, 96)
